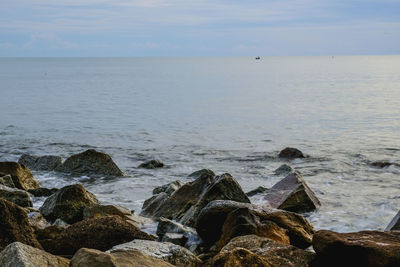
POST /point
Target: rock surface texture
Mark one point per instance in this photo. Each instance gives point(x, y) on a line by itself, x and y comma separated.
point(7, 181)
point(20, 174)
point(43, 163)
point(16, 196)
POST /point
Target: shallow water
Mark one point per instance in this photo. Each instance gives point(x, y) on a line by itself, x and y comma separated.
point(226, 114)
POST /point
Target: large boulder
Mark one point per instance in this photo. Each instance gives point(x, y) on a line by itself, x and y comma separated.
point(151, 164)
point(43, 163)
point(365, 248)
point(20, 174)
point(99, 233)
point(90, 162)
point(16, 196)
point(395, 223)
point(293, 194)
point(68, 204)
point(290, 153)
point(185, 204)
point(168, 252)
point(14, 226)
point(19, 254)
point(7, 180)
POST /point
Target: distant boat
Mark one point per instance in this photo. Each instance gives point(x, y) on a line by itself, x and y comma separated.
point(257, 58)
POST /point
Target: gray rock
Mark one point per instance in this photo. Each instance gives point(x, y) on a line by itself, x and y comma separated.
point(7, 181)
point(90, 162)
point(42, 192)
point(20, 174)
point(37, 221)
point(151, 164)
point(168, 226)
point(291, 153)
point(16, 196)
point(258, 190)
point(394, 224)
point(283, 169)
point(168, 188)
point(18, 254)
point(60, 223)
point(43, 163)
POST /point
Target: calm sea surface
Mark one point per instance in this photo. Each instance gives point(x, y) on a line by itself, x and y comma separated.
point(227, 114)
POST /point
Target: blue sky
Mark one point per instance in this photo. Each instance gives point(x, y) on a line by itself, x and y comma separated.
point(198, 28)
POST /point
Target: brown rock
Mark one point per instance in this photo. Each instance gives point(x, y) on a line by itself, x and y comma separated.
point(291, 153)
point(92, 257)
point(238, 257)
point(21, 175)
point(16, 196)
point(365, 248)
point(7, 181)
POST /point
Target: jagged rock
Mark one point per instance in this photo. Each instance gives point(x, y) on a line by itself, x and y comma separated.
point(168, 226)
point(365, 248)
point(238, 257)
point(212, 218)
point(153, 204)
point(293, 194)
point(394, 224)
point(37, 221)
point(168, 252)
point(187, 202)
point(14, 225)
point(90, 162)
point(19, 254)
point(16, 196)
point(291, 153)
point(99, 233)
point(168, 188)
point(68, 204)
point(43, 163)
point(42, 192)
point(21, 175)
point(283, 169)
point(6, 180)
point(151, 164)
point(258, 190)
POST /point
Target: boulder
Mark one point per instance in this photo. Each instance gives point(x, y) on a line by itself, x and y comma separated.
point(99, 233)
point(7, 180)
point(290, 153)
point(168, 188)
point(21, 175)
point(203, 172)
point(16, 196)
point(151, 164)
point(394, 224)
point(365, 248)
point(153, 204)
point(90, 162)
point(43, 163)
point(50, 232)
point(293, 194)
point(68, 204)
point(283, 169)
point(165, 251)
point(42, 192)
point(238, 257)
point(381, 164)
point(258, 190)
point(37, 221)
point(186, 203)
point(14, 226)
point(19, 254)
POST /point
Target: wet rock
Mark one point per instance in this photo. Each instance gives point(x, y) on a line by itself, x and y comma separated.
point(14, 226)
point(381, 164)
point(6, 180)
point(283, 169)
point(90, 162)
point(238, 257)
point(258, 190)
point(151, 164)
point(203, 172)
point(37, 221)
point(19, 254)
point(169, 226)
point(16, 196)
point(187, 202)
point(365, 248)
point(153, 204)
point(43, 163)
point(394, 224)
point(99, 233)
point(50, 232)
point(291, 153)
point(42, 192)
point(68, 204)
point(21, 175)
point(168, 252)
point(293, 194)
point(168, 188)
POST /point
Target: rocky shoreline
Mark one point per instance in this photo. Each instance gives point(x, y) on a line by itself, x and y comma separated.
point(208, 221)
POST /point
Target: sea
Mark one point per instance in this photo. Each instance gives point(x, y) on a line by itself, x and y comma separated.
point(228, 114)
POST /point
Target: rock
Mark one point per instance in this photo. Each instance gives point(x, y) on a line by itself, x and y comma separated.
point(168, 226)
point(186, 203)
point(99, 233)
point(291, 153)
point(50, 232)
point(90, 162)
point(42, 192)
point(204, 172)
point(283, 169)
point(258, 190)
point(365, 248)
point(212, 218)
point(168, 188)
point(238, 257)
point(175, 238)
point(151, 164)
point(293, 194)
point(153, 204)
point(6, 180)
point(16, 196)
point(68, 204)
point(44, 163)
point(19, 254)
point(168, 252)
point(61, 223)
point(37, 221)
point(14, 226)
point(382, 164)
point(394, 224)
point(21, 175)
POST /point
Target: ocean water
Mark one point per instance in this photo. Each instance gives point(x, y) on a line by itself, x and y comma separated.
point(227, 114)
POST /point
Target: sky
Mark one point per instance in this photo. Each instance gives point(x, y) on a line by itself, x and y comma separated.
point(78, 28)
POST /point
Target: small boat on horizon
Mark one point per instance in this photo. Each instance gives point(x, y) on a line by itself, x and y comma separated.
point(257, 58)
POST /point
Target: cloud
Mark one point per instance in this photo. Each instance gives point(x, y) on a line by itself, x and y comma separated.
point(49, 40)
